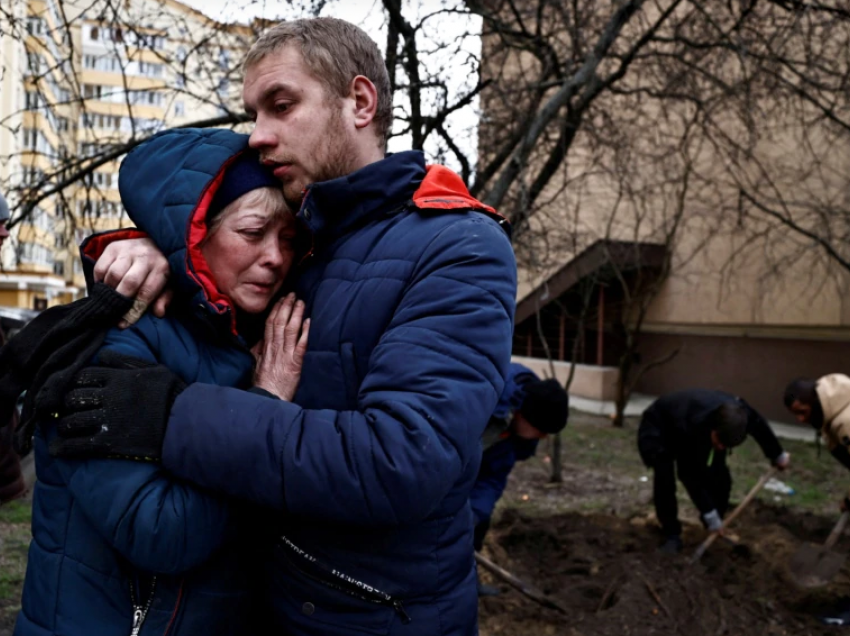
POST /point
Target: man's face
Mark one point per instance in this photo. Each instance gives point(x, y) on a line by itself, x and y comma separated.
point(524, 429)
point(802, 412)
point(304, 134)
point(4, 232)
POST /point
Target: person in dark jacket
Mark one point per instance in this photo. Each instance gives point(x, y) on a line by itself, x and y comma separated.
point(12, 484)
point(410, 287)
point(689, 432)
point(529, 409)
point(121, 547)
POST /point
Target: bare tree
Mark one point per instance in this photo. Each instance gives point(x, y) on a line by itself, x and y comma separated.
point(649, 121)
point(679, 123)
point(100, 77)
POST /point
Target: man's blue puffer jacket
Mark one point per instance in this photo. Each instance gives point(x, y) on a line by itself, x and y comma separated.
point(101, 526)
point(410, 286)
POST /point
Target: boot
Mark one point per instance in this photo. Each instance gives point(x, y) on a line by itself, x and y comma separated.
point(671, 545)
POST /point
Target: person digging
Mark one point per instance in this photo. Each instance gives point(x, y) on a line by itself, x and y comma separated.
point(529, 409)
point(688, 433)
point(824, 404)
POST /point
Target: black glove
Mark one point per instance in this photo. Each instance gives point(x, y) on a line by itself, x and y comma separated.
point(119, 409)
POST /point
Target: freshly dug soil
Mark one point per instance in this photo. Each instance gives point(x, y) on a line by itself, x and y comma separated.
point(607, 571)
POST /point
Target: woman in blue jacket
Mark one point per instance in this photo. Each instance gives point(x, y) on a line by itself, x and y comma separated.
point(120, 547)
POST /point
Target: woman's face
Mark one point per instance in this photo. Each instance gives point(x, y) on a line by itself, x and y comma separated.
point(251, 250)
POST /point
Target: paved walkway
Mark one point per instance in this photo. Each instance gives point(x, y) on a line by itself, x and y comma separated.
point(639, 402)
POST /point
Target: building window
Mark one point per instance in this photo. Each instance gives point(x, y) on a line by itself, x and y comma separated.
point(94, 34)
point(36, 26)
point(30, 138)
point(100, 179)
point(179, 108)
point(92, 91)
point(32, 101)
point(33, 176)
point(39, 304)
point(59, 268)
point(149, 69)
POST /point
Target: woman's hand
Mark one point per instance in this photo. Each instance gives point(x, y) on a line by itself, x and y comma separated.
point(280, 354)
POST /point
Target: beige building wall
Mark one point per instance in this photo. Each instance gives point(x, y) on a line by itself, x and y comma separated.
point(723, 276)
point(748, 305)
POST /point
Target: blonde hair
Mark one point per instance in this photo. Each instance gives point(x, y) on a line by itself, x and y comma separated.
point(336, 52)
point(266, 198)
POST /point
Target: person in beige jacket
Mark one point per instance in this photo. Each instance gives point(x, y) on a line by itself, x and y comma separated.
point(825, 405)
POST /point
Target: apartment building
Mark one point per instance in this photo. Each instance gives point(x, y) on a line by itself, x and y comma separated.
point(80, 81)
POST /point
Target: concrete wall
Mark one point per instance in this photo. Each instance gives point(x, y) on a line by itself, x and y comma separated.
point(590, 381)
point(756, 369)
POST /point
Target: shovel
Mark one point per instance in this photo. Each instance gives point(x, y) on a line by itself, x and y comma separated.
point(814, 565)
point(750, 496)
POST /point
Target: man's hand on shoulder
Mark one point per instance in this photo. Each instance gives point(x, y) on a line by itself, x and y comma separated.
point(136, 269)
point(118, 408)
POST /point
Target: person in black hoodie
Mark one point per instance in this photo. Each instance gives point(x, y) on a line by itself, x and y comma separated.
point(689, 432)
point(12, 484)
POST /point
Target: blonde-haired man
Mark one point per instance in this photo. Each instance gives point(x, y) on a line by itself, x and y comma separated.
point(409, 283)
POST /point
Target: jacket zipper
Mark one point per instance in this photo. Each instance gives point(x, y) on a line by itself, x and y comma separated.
point(344, 583)
point(140, 612)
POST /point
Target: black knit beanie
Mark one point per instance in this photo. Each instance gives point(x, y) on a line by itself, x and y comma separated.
point(546, 406)
point(246, 173)
point(730, 422)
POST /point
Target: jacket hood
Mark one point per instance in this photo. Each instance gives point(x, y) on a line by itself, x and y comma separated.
point(443, 189)
point(834, 393)
point(166, 185)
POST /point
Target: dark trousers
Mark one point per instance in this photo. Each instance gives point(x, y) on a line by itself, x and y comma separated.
point(715, 479)
point(11, 481)
point(479, 533)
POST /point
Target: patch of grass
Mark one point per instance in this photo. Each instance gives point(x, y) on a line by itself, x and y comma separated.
point(14, 543)
point(16, 512)
point(13, 565)
point(819, 482)
point(594, 451)
point(591, 441)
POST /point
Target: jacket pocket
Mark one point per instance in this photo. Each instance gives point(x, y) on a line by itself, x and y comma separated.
point(312, 593)
point(349, 373)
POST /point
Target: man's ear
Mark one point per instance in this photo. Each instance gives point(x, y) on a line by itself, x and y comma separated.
point(365, 97)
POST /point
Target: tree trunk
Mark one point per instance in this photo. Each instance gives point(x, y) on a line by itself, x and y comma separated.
point(556, 475)
point(621, 399)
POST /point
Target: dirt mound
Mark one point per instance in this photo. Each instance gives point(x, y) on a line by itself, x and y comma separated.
point(607, 571)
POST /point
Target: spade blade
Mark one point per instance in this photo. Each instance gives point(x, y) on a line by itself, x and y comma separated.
point(815, 565)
